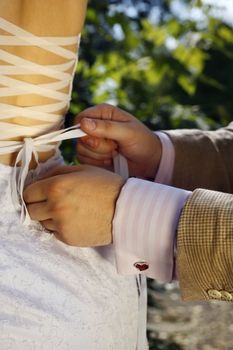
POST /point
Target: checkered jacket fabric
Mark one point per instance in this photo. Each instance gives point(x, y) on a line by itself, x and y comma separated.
point(204, 164)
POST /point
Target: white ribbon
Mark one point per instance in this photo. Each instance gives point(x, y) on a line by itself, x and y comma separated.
point(14, 85)
point(49, 115)
point(28, 148)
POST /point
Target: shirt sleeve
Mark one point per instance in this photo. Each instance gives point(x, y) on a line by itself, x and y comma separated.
point(145, 221)
point(164, 174)
point(144, 228)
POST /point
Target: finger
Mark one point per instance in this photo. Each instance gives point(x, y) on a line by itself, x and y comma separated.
point(36, 192)
point(102, 111)
point(39, 211)
point(87, 152)
point(49, 225)
point(100, 145)
point(106, 112)
point(106, 164)
point(117, 131)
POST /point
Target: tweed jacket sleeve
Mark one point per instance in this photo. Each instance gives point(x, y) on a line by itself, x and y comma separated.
point(204, 164)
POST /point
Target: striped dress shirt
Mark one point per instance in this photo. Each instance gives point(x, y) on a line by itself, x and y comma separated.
point(146, 219)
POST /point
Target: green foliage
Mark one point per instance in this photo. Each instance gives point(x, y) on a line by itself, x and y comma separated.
point(172, 73)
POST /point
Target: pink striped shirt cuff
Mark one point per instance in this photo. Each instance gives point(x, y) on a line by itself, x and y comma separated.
point(164, 174)
point(146, 219)
point(142, 227)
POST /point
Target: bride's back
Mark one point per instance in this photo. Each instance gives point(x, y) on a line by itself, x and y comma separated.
point(65, 21)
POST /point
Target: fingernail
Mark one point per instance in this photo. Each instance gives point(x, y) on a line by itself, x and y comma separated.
point(90, 124)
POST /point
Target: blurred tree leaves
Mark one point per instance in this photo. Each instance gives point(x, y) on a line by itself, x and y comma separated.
point(168, 71)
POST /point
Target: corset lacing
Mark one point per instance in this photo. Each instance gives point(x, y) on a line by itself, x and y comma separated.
point(37, 139)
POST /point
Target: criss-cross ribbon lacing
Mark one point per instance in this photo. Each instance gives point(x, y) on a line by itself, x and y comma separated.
point(37, 138)
point(32, 143)
point(62, 74)
point(26, 149)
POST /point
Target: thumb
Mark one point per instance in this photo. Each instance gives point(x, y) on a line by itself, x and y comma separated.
point(117, 131)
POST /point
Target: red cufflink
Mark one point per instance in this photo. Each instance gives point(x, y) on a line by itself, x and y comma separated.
point(141, 265)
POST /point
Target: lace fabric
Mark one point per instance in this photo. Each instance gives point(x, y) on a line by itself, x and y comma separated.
point(55, 296)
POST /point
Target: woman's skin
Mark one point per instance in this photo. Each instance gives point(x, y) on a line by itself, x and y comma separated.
point(42, 18)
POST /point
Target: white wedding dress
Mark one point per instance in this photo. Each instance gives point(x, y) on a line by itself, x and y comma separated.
point(52, 296)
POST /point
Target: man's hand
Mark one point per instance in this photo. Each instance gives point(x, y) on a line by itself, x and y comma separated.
point(76, 203)
point(111, 130)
